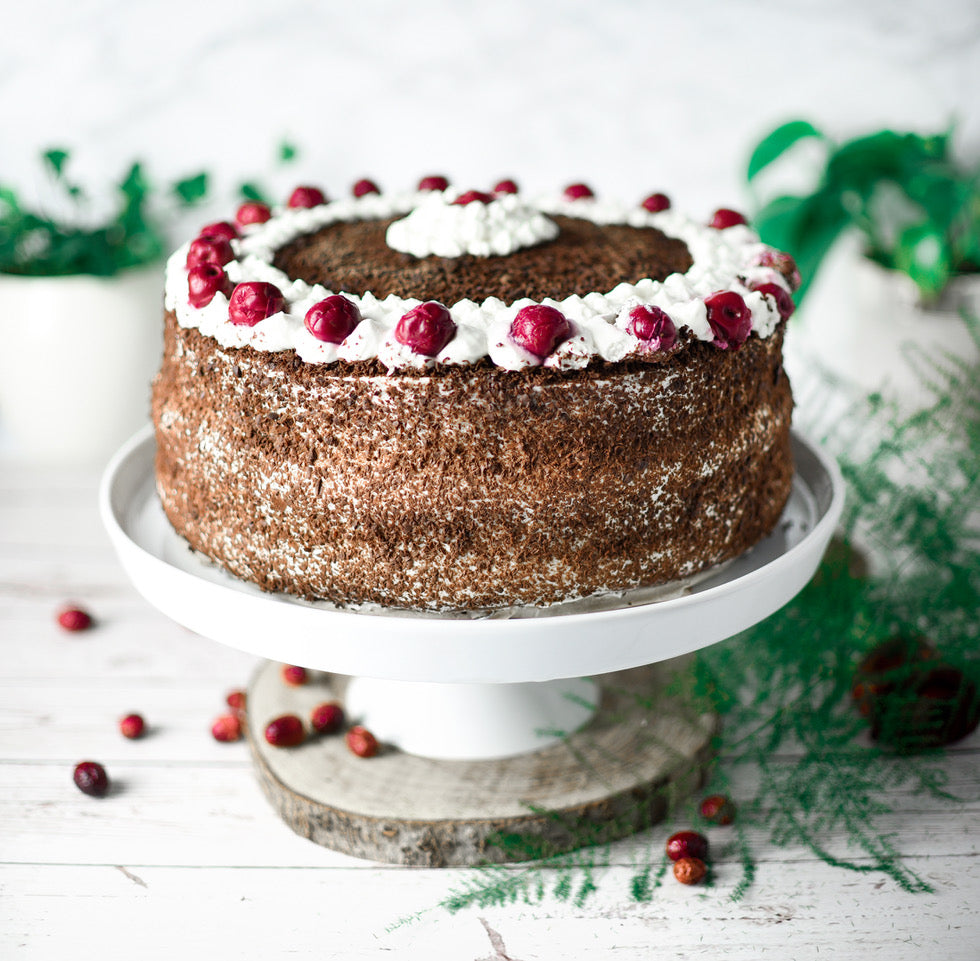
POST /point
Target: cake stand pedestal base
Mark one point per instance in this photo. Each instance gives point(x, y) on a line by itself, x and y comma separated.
point(641, 751)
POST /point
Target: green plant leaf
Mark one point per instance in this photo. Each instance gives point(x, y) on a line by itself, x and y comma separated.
point(287, 152)
point(56, 160)
point(191, 190)
point(923, 253)
point(778, 142)
point(251, 191)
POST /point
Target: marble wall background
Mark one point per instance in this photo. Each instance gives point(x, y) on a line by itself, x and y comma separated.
point(631, 96)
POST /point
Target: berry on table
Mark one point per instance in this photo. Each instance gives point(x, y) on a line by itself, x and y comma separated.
point(226, 728)
point(90, 778)
point(361, 741)
point(426, 329)
point(690, 870)
point(539, 329)
point(74, 619)
point(687, 844)
point(294, 674)
point(718, 809)
point(285, 731)
point(327, 718)
point(132, 726)
point(235, 700)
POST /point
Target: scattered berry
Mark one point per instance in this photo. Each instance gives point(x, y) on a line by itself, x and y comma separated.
point(579, 192)
point(655, 203)
point(209, 250)
point(653, 326)
point(332, 319)
point(294, 675)
point(285, 731)
point(235, 700)
point(539, 329)
point(433, 182)
point(227, 728)
point(252, 212)
point(90, 778)
point(724, 218)
point(784, 303)
point(75, 619)
point(426, 329)
point(690, 870)
point(253, 301)
point(718, 809)
point(730, 320)
point(782, 263)
point(473, 196)
point(363, 187)
point(132, 726)
point(204, 281)
point(306, 197)
point(687, 844)
point(505, 187)
point(361, 741)
point(327, 718)
point(222, 229)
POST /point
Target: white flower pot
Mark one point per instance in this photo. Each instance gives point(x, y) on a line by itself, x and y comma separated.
point(77, 355)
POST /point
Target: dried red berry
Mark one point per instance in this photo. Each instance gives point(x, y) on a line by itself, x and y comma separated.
point(285, 731)
point(784, 303)
point(724, 218)
point(729, 318)
point(433, 182)
point(226, 728)
point(294, 675)
point(253, 301)
point(209, 250)
point(307, 197)
point(653, 326)
point(204, 281)
point(782, 263)
point(252, 212)
point(656, 202)
point(221, 229)
point(327, 718)
point(579, 192)
point(332, 319)
point(132, 726)
point(473, 197)
point(505, 187)
point(90, 778)
point(74, 619)
point(718, 809)
point(690, 870)
point(361, 741)
point(364, 187)
point(687, 844)
point(426, 329)
point(539, 329)
point(235, 700)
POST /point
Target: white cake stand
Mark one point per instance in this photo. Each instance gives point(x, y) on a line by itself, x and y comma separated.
point(500, 709)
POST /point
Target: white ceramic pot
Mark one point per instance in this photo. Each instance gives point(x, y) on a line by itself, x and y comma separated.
point(77, 355)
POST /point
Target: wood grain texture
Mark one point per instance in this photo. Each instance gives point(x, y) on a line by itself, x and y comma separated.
point(640, 753)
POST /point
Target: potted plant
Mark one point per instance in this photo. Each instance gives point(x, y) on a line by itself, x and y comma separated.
point(80, 301)
point(895, 218)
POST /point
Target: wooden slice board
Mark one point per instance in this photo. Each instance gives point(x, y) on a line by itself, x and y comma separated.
point(641, 752)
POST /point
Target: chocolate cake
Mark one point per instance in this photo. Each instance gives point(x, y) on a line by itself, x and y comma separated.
point(467, 403)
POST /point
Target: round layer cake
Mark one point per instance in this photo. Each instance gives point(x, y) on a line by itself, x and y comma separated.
point(451, 403)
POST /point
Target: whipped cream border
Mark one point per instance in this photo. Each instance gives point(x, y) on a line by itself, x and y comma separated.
point(722, 260)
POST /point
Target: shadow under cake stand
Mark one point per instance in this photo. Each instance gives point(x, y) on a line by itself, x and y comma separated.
point(503, 739)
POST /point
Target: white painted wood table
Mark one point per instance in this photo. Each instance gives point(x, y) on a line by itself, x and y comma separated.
point(186, 858)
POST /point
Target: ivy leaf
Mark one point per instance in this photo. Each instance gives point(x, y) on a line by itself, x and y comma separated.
point(923, 253)
point(287, 152)
point(191, 190)
point(778, 142)
point(251, 191)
